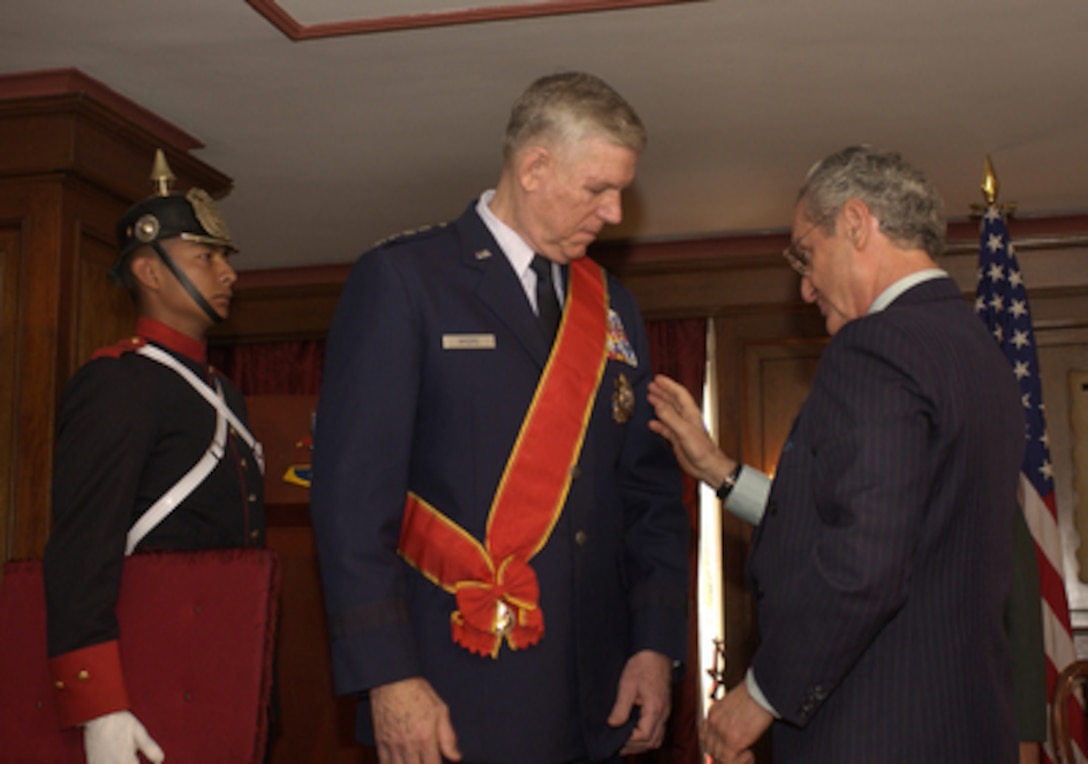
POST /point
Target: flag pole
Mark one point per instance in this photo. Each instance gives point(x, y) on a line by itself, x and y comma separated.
point(1002, 303)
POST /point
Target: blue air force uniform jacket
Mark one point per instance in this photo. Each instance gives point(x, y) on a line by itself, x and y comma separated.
point(403, 408)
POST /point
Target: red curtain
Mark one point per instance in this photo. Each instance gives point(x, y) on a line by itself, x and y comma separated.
point(677, 348)
point(272, 368)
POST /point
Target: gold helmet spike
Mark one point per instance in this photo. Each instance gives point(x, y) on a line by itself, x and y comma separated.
point(989, 183)
point(162, 177)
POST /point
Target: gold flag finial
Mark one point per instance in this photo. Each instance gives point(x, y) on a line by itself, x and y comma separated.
point(162, 177)
point(989, 194)
point(989, 183)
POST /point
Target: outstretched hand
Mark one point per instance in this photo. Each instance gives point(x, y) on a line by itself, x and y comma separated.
point(680, 422)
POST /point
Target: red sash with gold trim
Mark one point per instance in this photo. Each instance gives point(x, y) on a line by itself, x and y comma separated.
point(496, 589)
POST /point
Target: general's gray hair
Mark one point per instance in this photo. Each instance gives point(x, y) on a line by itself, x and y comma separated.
point(910, 211)
point(568, 107)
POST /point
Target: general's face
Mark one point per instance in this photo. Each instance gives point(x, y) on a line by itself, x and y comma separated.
point(829, 269)
point(577, 193)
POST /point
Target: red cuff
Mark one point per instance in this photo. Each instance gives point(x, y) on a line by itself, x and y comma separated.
point(89, 683)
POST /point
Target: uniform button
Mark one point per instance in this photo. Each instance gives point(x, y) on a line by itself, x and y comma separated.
point(83, 676)
point(252, 498)
point(576, 472)
point(254, 534)
point(580, 538)
point(245, 464)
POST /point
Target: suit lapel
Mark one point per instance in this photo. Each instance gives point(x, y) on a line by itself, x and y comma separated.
point(499, 286)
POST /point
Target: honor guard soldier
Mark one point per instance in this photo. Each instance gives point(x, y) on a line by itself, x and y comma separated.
point(152, 453)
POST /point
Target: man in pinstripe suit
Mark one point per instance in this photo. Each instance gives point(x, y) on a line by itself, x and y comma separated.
point(881, 564)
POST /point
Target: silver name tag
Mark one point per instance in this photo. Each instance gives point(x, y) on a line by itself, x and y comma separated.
point(468, 341)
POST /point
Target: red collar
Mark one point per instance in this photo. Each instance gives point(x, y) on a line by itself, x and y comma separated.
point(172, 339)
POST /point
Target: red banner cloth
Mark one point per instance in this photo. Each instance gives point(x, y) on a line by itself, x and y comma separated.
point(196, 642)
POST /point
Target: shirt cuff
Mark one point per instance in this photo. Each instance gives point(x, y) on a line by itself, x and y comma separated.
point(757, 694)
point(748, 499)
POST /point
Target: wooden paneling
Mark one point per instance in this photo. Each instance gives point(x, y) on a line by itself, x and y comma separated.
point(102, 312)
point(10, 256)
point(763, 356)
point(62, 122)
point(779, 376)
point(315, 725)
point(37, 209)
point(268, 314)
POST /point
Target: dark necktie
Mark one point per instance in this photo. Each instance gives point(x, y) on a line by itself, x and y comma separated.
point(547, 304)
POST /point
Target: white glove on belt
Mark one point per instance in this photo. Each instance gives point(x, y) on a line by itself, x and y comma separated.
point(115, 738)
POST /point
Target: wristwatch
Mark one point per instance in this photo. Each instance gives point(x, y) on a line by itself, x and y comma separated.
point(730, 480)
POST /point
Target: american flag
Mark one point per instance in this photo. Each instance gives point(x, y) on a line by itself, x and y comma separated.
point(1001, 300)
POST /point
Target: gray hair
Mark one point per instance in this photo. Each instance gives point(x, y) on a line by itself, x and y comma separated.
point(910, 211)
point(568, 107)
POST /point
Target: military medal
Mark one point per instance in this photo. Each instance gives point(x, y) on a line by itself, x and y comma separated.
point(623, 400)
point(619, 347)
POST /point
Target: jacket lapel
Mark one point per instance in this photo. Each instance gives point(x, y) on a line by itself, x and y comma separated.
point(499, 287)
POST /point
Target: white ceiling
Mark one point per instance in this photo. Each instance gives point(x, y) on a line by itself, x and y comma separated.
point(336, 143)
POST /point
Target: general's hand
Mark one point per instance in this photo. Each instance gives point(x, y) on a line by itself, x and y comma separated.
point(732, 727)
point(115, 738)
point(645, 682)
point(680, 422)
point(412, 724)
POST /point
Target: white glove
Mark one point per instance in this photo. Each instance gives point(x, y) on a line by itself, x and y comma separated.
point(115, 738)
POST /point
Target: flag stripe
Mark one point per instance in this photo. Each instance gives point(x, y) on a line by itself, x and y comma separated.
point(1043, 524)
point(1001, 301)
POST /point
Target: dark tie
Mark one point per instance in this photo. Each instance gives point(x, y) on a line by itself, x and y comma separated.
point(547, 304)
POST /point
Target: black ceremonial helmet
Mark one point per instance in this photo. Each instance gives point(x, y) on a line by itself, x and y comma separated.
point(167, 215)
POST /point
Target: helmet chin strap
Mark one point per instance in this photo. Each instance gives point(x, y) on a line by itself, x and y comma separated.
point(198, 298)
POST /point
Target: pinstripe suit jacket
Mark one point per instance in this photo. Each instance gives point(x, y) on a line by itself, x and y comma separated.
point(883, 563)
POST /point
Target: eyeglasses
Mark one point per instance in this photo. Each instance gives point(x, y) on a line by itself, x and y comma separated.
point(797, 258)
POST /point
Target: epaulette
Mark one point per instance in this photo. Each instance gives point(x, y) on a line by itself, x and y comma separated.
point(118, 349)
point(411, 233)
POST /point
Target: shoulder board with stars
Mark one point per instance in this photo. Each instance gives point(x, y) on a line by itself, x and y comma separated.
point(410, 234)
point(119, 348)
